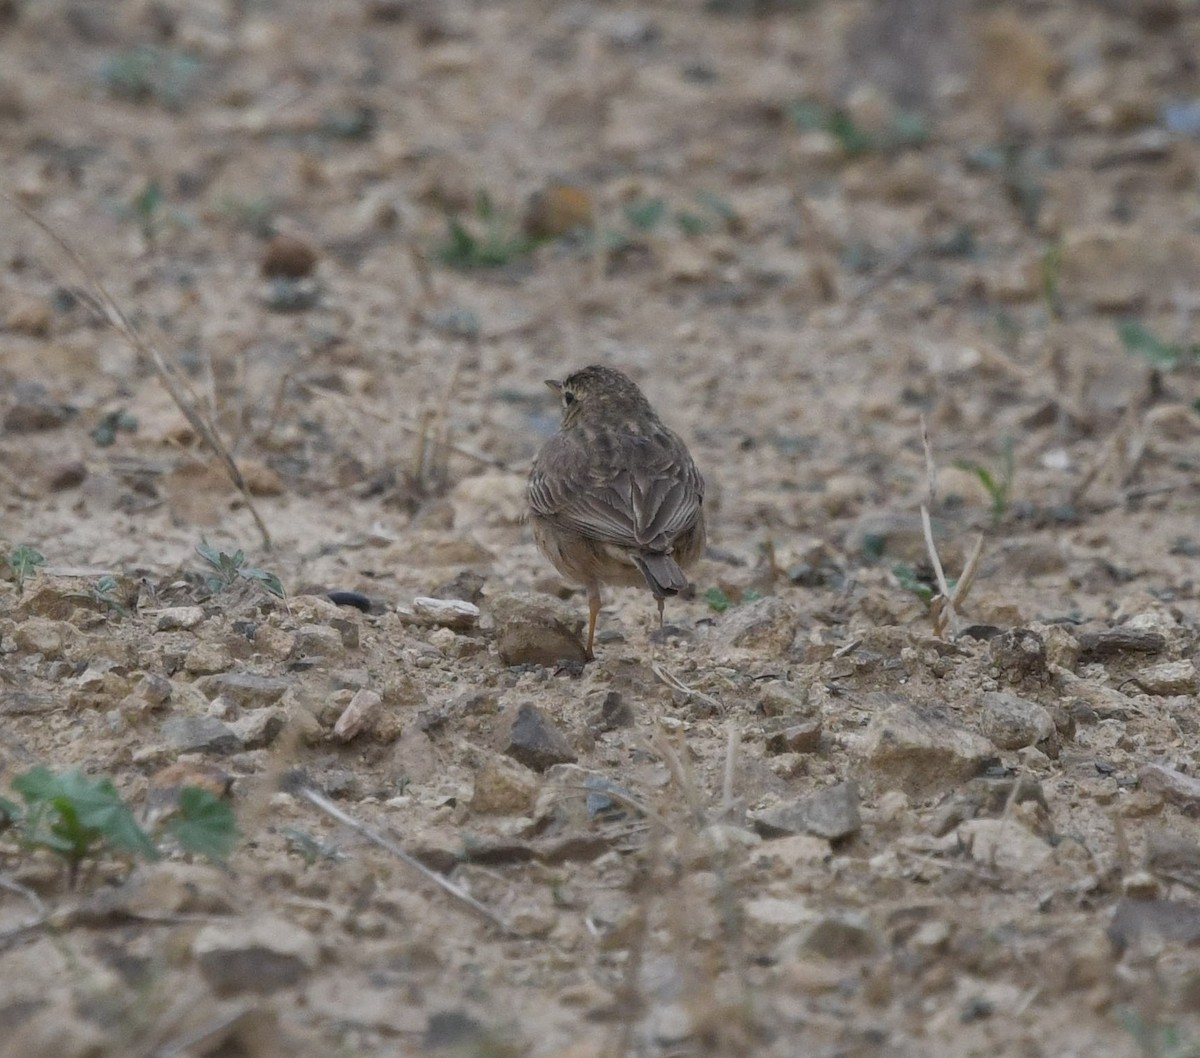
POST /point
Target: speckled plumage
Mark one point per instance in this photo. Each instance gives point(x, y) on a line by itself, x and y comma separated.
point(614, 496)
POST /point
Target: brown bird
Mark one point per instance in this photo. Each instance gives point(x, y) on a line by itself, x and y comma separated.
point(614, 496)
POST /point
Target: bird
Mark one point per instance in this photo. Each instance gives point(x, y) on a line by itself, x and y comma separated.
point(614, 496)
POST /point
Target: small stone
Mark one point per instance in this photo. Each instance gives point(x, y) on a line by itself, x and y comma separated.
point(842, 935)
point(35, 415)
point(179, 617)
point(258, 729)
point(259, 954)
point(1005, 844)
point(247, 689)
point(204, 659)
point(444, 613)
point(832, 814)
point(766, 625)
point(503, 787)
point(535, 740)
point(536, 630)
point(288, 256)
point(1012, 722)
point(320, 641)
point(1169, 677)
point(1121, 640)
point(794, 735)
point(199, 734)
point(609, 711)
point(29, 316)
point(922, 751)
point(69, 474)
point(558, 209)
point(40, 635)
point(1019, 654)
point(361, 716)
point(1171, 785)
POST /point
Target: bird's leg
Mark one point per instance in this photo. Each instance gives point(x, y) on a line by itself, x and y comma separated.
point(593, 613)
point(660, 600)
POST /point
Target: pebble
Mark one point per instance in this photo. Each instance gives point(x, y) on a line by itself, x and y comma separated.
point(921, 751)
point(200, 734)
point(536, 629)
point(361, 716)
point(503, 787)
point(179, 617)
point(1019, 654)
point(842, 935)
point(247, 689)
point(832, 814)
point(289, 256)
point(1169, 677)
point(1005, 844)
point(259, 954)
point(444, 613)
point(535, 740)
point(766, 625)
point(1172, 785)
point(1012, 722)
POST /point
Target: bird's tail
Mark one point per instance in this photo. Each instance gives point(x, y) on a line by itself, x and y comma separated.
point(662, 573)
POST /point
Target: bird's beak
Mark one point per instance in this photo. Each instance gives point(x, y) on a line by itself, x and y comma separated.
point(555, 385)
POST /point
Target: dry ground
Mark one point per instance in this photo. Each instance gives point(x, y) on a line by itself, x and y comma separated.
point(807, 225)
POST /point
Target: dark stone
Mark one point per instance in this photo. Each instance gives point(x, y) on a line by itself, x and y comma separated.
point(200, 734)
point(536, 741)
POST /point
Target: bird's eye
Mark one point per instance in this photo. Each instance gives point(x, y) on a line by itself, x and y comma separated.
point(568, 398)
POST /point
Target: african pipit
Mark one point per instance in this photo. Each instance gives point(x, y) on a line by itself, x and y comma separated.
point(614, 496)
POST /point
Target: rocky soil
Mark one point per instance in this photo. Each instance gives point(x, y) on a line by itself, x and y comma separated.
point(819, 813)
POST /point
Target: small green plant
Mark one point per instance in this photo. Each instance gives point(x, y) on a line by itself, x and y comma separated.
point(104, 433)
point(145, 208)
point(1051, 273)
point(907, 129)
point(998, 485)
point(79, 818)
point(151, 75)
point(719, 601)
point(913, 581)
point(226, 570)
point(645, 214)
point(23, 560)
point(490, 239)
point(105, 592)
point(1139, 340)
point(1157, 1040)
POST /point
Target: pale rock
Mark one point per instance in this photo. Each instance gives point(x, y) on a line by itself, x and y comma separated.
point(204, 659)
point(41, 635)
point(832, 813)
point(1004, 844)
point(248, 690)
point(318, 640)
point(455, 614)
point(259, 954)
point(921, 750)
point(1168, 678)
point(503, 787)
point(361, 715)
point(1170, 784)
point(765, 625)
point(536, 629)
point(178, 617)
point(1012, 722)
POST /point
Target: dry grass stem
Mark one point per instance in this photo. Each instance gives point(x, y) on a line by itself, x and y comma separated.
point(371, 834)
point(177, 386)
point(678, 685)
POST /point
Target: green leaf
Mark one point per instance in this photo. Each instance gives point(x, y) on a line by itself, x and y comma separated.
point(646, 213)
point(1139, 340)
point(209, 553)
point(204, 825)
point(717, 599)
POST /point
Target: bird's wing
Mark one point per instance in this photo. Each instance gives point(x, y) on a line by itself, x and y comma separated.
point(634, 491)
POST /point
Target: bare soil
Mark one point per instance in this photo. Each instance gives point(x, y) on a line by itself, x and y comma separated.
point(804, 228)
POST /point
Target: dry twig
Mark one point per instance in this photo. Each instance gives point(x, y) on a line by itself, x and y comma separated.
point(177, 387)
